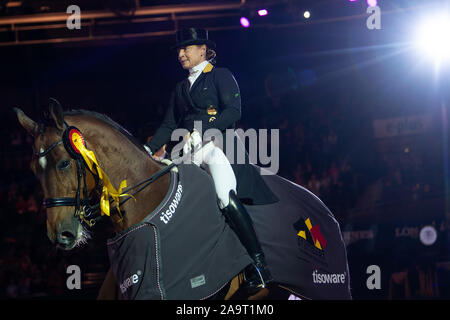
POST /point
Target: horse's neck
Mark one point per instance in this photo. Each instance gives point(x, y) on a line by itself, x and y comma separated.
point(123, 160)
point(147, 200)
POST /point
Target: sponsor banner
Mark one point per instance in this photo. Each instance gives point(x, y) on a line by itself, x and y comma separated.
point(400, 126)
point(427, 233)
point(351, 237)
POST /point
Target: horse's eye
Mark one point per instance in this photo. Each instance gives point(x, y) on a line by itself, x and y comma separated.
point(63, 164)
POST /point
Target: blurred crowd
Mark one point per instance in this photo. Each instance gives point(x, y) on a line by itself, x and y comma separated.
point(420, 281)
point(30, 266)
point(24, 253)
point(314, 146)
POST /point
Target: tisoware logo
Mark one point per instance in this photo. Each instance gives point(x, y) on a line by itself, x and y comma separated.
point(328, 278)
point(130, 281)
point(167, 215)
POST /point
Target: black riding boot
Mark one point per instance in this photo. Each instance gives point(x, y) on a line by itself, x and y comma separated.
point(256, 275)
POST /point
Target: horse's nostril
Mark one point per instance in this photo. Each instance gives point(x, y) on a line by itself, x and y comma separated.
point(66, 238)
point(67, 234)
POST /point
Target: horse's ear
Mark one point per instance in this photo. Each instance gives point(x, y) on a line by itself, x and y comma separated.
point(31, 126)
point(56, 113)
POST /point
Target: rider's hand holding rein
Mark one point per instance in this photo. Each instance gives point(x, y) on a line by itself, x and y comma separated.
point(193, 142)
point(159, 155)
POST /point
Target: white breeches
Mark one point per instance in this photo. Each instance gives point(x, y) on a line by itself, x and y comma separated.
point(212, 159)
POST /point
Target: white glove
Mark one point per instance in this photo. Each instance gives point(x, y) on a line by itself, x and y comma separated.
point(148, 150)
point(193, 143)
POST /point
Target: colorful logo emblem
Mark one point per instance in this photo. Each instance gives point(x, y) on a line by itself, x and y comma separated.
point(211, 111)
point(311, 243)
point(76, 138)
point(310, 233)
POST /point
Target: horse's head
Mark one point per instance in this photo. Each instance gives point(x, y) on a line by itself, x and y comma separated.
point(58, 174)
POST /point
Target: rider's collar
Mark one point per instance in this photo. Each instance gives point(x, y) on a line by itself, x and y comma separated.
point(198, 68)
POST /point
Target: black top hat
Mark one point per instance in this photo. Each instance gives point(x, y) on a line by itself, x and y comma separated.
point(190, 36)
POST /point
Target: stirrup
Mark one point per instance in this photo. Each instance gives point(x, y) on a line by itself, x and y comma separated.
point(255, 279)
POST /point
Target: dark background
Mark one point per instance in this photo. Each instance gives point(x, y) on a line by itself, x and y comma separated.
point(322, 83)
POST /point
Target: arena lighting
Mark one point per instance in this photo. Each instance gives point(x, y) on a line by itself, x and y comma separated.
point(263, 12)
point(13, 4)
point(244, 22)
point(433, 38)
point(307, 14)
point(372, 3)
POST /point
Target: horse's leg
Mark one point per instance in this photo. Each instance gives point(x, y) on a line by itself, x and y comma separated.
point(108, 288)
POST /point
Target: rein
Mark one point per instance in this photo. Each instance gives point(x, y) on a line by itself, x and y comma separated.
point(84, 211)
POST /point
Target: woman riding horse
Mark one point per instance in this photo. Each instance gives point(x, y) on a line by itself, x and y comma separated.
point(159, 251)
point(211, 95)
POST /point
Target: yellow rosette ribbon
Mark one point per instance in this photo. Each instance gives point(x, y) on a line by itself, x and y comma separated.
point(108, 189)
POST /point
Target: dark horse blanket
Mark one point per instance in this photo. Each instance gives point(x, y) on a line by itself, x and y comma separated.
point(302, 241)
point(185, 250)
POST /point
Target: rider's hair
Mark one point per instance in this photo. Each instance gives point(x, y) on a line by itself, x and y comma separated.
point(211, 55)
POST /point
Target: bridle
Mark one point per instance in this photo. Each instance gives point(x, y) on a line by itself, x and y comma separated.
point(87, 214)
point(84, 210)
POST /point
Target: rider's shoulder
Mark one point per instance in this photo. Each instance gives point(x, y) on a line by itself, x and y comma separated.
point(221, 70)
point(222, 73)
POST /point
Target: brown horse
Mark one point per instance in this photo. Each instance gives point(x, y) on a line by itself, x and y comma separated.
point(78, 180)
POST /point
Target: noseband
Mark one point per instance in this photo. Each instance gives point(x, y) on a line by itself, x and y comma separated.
point(84, 211)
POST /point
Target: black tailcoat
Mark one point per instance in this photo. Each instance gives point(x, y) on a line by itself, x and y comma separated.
point(215, 100)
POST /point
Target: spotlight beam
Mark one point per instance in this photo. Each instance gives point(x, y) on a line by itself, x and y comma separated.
point(433, 38)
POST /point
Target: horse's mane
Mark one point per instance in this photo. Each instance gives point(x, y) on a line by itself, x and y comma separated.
point(107, 120)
